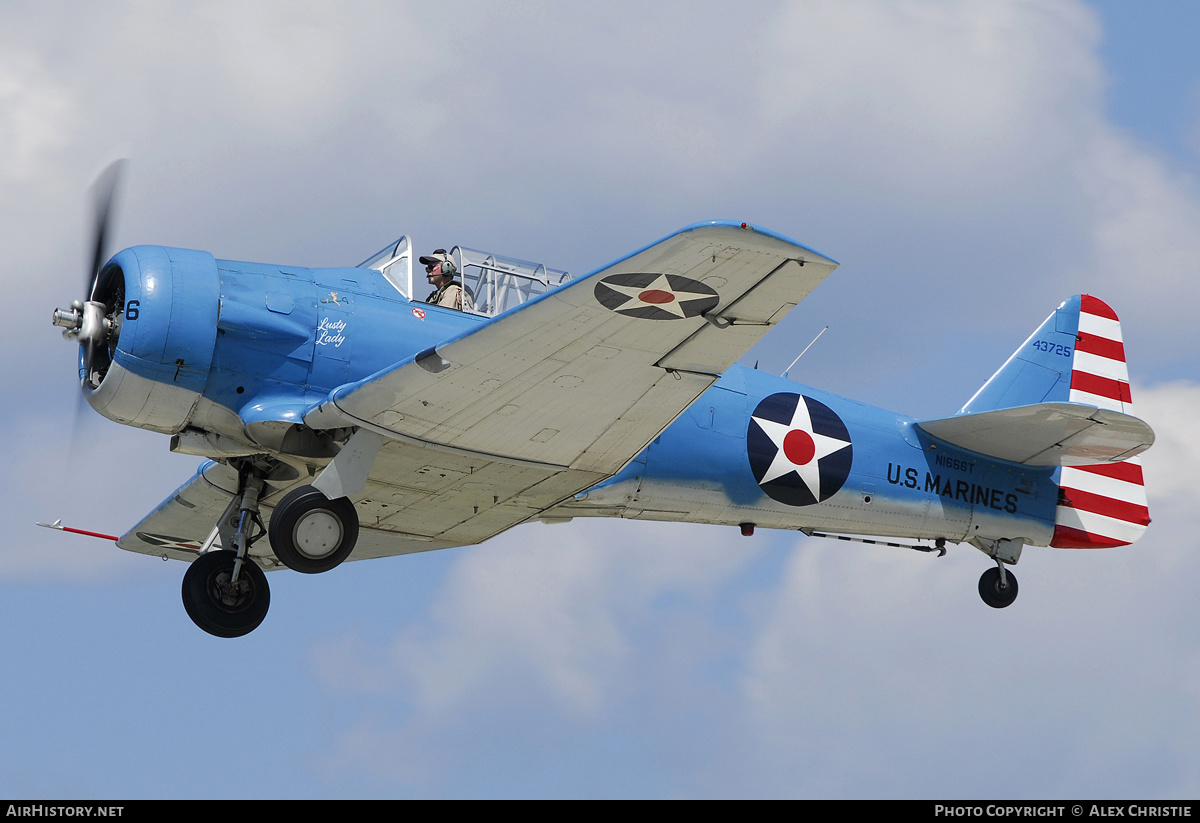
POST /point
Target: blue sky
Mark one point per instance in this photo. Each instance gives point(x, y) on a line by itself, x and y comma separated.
point(970, 164)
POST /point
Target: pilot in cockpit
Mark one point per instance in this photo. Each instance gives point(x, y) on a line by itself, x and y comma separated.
point(448, 292)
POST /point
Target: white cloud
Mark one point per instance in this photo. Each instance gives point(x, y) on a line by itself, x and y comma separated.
point(1170, 409)
point(551, 611)
point(550, 619)
point(1144, 244)
point(38, 117)
point(942, 99)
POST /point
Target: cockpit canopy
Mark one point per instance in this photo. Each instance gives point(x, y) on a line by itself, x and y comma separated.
point(494, 283)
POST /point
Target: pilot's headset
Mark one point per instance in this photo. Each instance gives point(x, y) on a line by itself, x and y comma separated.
point(443, 257)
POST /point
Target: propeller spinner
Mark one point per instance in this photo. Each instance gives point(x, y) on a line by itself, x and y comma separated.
point(95, 320)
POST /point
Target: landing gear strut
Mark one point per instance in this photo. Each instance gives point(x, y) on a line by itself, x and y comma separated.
point(225, 592)
point(998, 587)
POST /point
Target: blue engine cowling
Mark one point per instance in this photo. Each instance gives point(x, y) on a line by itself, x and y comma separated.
point(162, 304)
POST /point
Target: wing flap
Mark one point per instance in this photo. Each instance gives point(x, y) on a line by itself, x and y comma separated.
point(749, 317)
point(444, 499)
point(784, 287)
point(1047, 434)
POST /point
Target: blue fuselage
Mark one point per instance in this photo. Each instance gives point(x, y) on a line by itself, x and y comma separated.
point(897, 480)
point(219, 346)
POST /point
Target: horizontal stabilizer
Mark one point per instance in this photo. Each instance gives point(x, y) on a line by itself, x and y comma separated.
point(1047, 434)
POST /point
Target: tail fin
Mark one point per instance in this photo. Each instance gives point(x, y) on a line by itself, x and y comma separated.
point(1077, 356)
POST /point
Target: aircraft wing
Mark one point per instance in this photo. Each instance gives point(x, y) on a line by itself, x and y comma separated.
point(491, 428)
point(178, 527)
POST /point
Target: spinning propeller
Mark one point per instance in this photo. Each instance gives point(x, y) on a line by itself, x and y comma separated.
point(96, 320)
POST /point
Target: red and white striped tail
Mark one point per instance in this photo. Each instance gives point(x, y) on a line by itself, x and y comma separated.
point(1099, 376)
point(1103, 505)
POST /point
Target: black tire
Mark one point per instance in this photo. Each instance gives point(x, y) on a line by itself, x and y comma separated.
point(311, 533)
point(991, 591)
point(210, 603)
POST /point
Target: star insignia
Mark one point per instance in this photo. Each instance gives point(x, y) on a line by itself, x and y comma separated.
point(653, 296)
point(799, 449)
point(167, 541)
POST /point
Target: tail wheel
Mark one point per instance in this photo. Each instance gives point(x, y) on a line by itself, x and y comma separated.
point(219, 606)
point(995, 593)
point(311, 533)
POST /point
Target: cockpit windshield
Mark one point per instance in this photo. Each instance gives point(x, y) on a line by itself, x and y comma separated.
point(493, 283)
point(393, 261)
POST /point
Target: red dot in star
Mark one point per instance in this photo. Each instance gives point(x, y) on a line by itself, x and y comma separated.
point(798, 447)
point(656, 296)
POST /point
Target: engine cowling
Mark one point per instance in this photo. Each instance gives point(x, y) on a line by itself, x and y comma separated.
point(161, 309)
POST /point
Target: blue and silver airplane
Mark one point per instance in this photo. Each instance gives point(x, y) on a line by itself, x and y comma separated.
point(344, 418)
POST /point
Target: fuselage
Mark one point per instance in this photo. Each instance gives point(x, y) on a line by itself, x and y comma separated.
point(228, 356)
point(718, 463)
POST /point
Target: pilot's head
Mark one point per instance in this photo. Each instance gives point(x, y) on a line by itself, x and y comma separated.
point(439, 267)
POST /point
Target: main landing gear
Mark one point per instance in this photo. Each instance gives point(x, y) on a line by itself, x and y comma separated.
point(225, 592)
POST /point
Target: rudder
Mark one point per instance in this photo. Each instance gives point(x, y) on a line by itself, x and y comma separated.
point(1100, 506)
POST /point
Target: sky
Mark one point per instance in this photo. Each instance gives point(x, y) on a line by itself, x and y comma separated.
point(970, 164)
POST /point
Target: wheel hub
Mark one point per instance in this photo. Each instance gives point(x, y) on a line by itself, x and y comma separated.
point(228, 594)
point(317, 534)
